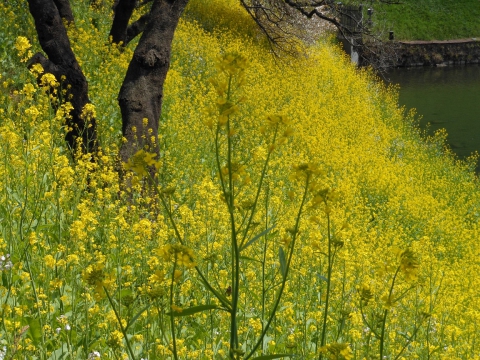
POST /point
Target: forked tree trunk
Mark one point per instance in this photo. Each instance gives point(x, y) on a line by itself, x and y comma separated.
point(123, 10)
point(122, 31)
point(61, 62)
point(141, 94)
point(64, 10)
point(142, 90)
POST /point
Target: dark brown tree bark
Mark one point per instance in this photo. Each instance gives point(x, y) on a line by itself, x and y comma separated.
point(123, 10)
point(61, 62)
point(137, 27)
point(142, 90)
point(64, 10)
point(121, 31)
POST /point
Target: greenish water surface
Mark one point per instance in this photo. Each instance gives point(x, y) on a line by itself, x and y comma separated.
point(445, 97)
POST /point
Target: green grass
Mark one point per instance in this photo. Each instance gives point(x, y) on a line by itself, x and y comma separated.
point(430, 19)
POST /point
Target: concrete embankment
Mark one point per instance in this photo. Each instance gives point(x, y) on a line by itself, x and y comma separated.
point(437, 53)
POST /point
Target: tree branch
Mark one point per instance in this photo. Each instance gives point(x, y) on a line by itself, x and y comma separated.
point(276, 21)
point(136, 28)
point(278, 24)
point(123, 10)
point(64, 10)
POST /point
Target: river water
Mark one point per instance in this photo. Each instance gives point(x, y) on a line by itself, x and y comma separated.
point(444, 97)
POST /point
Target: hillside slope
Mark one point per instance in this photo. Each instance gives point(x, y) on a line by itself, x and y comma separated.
point(385, 260)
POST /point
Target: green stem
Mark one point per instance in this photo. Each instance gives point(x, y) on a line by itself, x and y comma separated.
point(329, 277)
point(264, 261)
point(122, 329)
point(385, 313)
point(262, 177)
point(229, 196)
point(364, 317)
point(409, 340)
point(161, 322)
point(87, 331)
point(223, 300)
point(235, 287)
point(34, 289)
point(172, 321)
point(217, 159)
point(282, 287)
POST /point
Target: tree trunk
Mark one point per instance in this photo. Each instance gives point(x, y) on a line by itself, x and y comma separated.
point(142, 90)
point(64, 10)
point(137, 27)
point(61, 61)
point(123, 10)
point(121, 31)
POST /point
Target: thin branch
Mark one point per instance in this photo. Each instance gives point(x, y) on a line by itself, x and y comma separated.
point(276, 19)
point(123, 10)
point(64, 10)
point(136, 28)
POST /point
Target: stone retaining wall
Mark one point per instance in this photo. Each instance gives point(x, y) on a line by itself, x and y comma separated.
point(437, 53)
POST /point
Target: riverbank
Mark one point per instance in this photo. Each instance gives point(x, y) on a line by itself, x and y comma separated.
point(430, 32)
point(421, 53)
point(436, 53)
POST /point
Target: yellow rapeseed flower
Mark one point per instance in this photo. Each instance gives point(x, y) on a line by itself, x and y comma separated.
point(49, 261)
point(140, 162)
point(36, 69)
point(115, 340)
point(49, 80)
point(409, 265)
point(96, 277)
point(23, 45)
point(178, 253)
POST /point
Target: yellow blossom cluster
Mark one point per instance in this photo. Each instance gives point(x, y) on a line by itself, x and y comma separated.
point(69, 228)
point(181, 255)
point(23, 47)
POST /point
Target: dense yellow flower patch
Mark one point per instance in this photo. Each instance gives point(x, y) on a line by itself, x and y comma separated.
point(304, 153)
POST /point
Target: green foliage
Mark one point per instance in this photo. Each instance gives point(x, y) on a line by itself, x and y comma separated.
point(431, 19)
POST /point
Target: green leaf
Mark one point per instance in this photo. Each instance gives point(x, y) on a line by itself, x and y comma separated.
point(256, 237)
point(34, 330)
point(249, 258)
point(137, 315)
point(125, 293)
point(195, 309)
point(60, 353)
point(274, 356)
point(283, 263)
point(321, 277)
point(219, 296)
point(17, 198)
point(34, 224)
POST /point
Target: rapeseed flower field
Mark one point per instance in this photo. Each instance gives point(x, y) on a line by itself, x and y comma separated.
point(295, 210)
